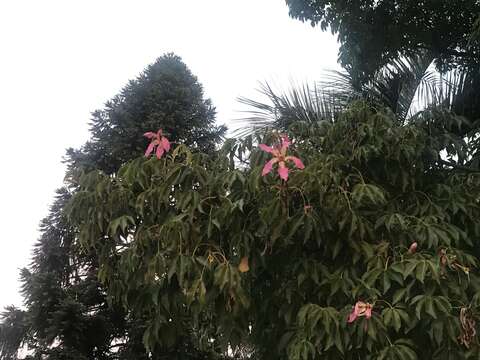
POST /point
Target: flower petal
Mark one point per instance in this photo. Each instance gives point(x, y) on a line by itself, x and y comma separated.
point(150, 135)
point(150, 148)
point(266, 148)
point(268, 166)
point(352, 317)
point(357, 309)
point(165, 144)
point(160, 151)
point(283, 171)
point(298, 163)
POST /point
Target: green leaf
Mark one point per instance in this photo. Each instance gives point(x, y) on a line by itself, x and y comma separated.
point(409, 267)
point(421, 270)
point(365, 194)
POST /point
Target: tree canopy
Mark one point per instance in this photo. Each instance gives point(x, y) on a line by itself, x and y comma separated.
point(373, 33)
point(166, 94)
point(375, 230)
point(67, 313)
point(346, 227)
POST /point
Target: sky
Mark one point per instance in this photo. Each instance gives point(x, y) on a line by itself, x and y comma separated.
point(61, 60)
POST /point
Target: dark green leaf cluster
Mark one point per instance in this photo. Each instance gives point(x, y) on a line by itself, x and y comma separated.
point(67, 312)
point(166, 95)
point(373, 33)
point(170, 235)
point(447, 104)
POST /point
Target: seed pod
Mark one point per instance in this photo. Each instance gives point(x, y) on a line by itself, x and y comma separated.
point(443, 257)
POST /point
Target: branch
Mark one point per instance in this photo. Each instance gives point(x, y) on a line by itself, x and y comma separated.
point(458, 167)
point(461, 54)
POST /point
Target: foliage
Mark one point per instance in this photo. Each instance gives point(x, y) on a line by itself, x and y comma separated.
point(303, 104)
point(67, 313)
point(410, 88)
point(166, 94)
point(172, 237)
point(476, 31)
point(12, 331)
point(369, 252)
point(373, 33)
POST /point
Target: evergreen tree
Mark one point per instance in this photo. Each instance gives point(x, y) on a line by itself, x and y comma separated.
point(67, 312)
point(166, 94)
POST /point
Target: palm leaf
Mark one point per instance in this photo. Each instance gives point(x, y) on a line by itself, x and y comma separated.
point(407, 86)
point(396, 86)
point(301, 104)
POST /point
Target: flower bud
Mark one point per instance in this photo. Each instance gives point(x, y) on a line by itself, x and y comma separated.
point(243, 266)
point(413, 248)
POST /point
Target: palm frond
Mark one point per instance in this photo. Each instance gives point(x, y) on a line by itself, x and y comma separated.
point(406, 79)
point(407, 86)
point(453, 115)
point(395, 86)
point(301, 104)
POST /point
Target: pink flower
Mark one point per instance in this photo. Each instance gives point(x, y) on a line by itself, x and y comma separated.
point(279, 153)
point(159, 141)
point(360, 309)
point(413, 248)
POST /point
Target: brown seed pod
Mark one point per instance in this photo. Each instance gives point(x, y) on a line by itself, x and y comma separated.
point(468, 327)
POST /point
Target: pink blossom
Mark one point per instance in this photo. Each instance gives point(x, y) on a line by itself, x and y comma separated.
point(413, 248)
point(159, 141)
point(279, 153)
point(360, 309)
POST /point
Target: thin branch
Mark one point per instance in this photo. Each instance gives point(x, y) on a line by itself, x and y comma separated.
point(458, 167)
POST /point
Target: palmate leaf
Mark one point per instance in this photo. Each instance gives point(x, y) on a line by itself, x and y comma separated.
point(402, 349)
point(368, 194)
point(336, 234)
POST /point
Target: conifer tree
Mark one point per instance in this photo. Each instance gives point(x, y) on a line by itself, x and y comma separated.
point(67, 312)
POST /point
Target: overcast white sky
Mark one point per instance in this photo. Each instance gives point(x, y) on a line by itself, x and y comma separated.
point(60, 60)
